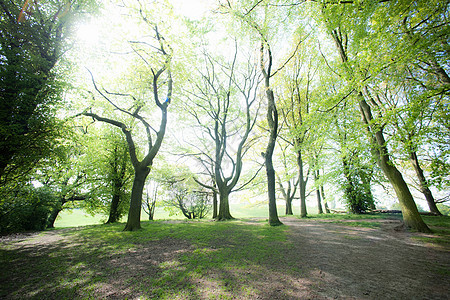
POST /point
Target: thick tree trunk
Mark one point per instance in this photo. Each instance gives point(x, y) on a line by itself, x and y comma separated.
point(224, 206)
point(52, 218)
point(302, 185)
point(411, 216)
point(423, 184)
point(134, 213)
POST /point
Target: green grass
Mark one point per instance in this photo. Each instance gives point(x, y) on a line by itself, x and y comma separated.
point(440, 225)
point(78, 217)
point(352, 220)
point(75, 269)
point(348, 216)
point(166, 259)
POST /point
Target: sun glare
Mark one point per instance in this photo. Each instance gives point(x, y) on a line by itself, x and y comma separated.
point(88, 33)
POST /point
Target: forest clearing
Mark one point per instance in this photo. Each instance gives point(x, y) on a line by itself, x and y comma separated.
point(199, 138)
point(337, 257)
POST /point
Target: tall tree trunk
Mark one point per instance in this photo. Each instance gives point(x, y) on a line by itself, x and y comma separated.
point(134, 213)
point(319, 201)
point(302, 184)
point(214, 204)
point(224, 206)
point(272, 119)
point(423, 183)
point(411, 216)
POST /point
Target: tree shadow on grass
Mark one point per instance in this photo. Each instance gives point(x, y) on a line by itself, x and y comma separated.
point(200, 260)
point(185, 261)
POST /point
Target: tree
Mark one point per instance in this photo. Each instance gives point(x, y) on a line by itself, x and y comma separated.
point(215, 106)
point(149, 202)
point(142, 166)
point(374, 130)
point(298, 79)
point(25, 207)
point(32, 41)
point(288, 189)
point(257, 20)
point(194, 204)
point(119, 175)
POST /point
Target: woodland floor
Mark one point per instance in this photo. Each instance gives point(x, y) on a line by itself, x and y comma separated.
point(318, 259)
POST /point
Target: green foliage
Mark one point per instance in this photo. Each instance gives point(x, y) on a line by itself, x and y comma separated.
point(185, 196)
point(29, 86)
point(25, 208)
point(444, 209)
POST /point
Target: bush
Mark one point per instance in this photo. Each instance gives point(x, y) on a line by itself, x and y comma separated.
point(444, 209)
point(25, 208)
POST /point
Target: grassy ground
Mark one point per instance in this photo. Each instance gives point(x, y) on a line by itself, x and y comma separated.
point(67, 274)
point(177, 259)
point(78, 217)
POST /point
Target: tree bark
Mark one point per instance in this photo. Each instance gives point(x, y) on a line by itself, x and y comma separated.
point(224, 206)
point(52, 218)
point(319, 200)
point(134, 213)
point(272, 119)
point(411, 216)
point(113, 210)
point(424, 184)
point(302, 184)
point(214, 204)
point(322, 191)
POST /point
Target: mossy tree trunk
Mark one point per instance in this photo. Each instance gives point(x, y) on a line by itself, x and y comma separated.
point(411, 216)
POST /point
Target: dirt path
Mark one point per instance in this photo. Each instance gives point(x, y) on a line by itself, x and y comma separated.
point(369, 263)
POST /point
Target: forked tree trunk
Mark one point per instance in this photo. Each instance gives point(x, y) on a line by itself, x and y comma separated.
point(288, 195)
point(134, 213)
point(424, 184)
point(411, 216)
point(289, 206)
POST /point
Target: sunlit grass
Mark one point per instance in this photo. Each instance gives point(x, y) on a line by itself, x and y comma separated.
point(79, 267)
